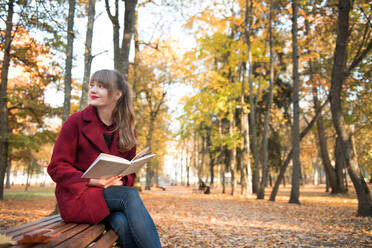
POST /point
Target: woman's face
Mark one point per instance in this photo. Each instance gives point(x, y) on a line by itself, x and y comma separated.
point(100, 97)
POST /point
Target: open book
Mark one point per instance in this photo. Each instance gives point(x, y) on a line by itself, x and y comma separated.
point(107, 165)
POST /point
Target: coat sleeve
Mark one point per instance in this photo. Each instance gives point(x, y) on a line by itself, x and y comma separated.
point(61, 167)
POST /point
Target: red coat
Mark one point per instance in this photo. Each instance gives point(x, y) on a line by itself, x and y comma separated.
point(78, 145)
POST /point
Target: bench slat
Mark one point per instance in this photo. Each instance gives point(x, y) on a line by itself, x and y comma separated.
point(12, 229)
point(43, 224)
point(63, 228)
point(52, 226)
point(38, 231)
point(71, 234)
point(84, 238)
point(21, 246)
point(107, 240)
point(64, 236)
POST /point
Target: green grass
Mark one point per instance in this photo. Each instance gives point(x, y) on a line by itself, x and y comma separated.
point(33, 192)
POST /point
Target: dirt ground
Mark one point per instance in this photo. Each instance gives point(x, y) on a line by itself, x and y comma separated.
point(186, 218)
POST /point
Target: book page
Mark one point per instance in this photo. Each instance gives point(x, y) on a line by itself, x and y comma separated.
point(141, 153)
point(106, 166)
point(136, 165)
point(113, 158)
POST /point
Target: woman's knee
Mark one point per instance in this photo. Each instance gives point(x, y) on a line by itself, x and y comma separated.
point(118, 221)
point(118, 192)
point(131, 193)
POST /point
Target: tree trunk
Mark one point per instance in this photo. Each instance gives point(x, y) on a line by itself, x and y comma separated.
point(289, 156)
point(188, 158)
point(223, 166)
point(265, 169)
point(223, 177)
point(157, 177)
point(211, 155)
point(8, 171)
point(345, 181)
point(327, 183)
point(29, 173)
point(129, 17)
point(27, 180)
point(148, 144)
point(115, 31)
point(243, 150)
point(233, 152)
point(338, 78)
point(149, 175)
point(211, 167)
point(340, 165)
point(319, 176)
point(295, 190)
point(330, 171)
point(316, 173)
point(246, 171)
point(226, 167)
point(256, 160)
point(202, 161)
point(195, 152)
point(136, 56)
point(88, 54)
point(253, 103)
point(188, 176)
point(181, 167)
point(68, 61)
point(3, 98)
point(197, 156)
point(8, 168)
point(270, 180)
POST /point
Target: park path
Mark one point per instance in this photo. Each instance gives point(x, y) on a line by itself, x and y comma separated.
point(186, 218)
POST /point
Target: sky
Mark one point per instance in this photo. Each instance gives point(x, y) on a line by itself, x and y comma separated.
point(153, 22)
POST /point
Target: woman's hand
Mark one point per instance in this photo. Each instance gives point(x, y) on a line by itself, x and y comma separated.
point(105, 183)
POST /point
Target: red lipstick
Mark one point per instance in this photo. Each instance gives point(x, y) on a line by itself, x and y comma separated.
point(93, 97)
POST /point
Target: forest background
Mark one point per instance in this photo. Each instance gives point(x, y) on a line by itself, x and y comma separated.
point(280, 89)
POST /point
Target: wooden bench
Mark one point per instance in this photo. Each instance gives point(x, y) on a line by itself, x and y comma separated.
point(71, 234)
point(204, 187)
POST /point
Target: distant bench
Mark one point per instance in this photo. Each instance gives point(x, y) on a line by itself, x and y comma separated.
point(203, 188)
point(71, 234)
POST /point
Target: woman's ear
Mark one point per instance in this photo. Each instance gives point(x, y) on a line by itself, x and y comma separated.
point(117, 95)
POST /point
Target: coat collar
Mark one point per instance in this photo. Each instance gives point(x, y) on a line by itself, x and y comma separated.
point(92, 130)
point(90, 114)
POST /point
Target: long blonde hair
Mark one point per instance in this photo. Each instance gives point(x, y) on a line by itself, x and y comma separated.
point(123, 113)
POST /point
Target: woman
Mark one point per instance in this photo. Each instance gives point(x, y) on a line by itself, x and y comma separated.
point(106, 125)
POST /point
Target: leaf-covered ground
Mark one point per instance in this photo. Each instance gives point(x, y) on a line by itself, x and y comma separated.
point(185, 218)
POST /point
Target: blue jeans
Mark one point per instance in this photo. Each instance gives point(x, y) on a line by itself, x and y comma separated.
point(129, 218)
